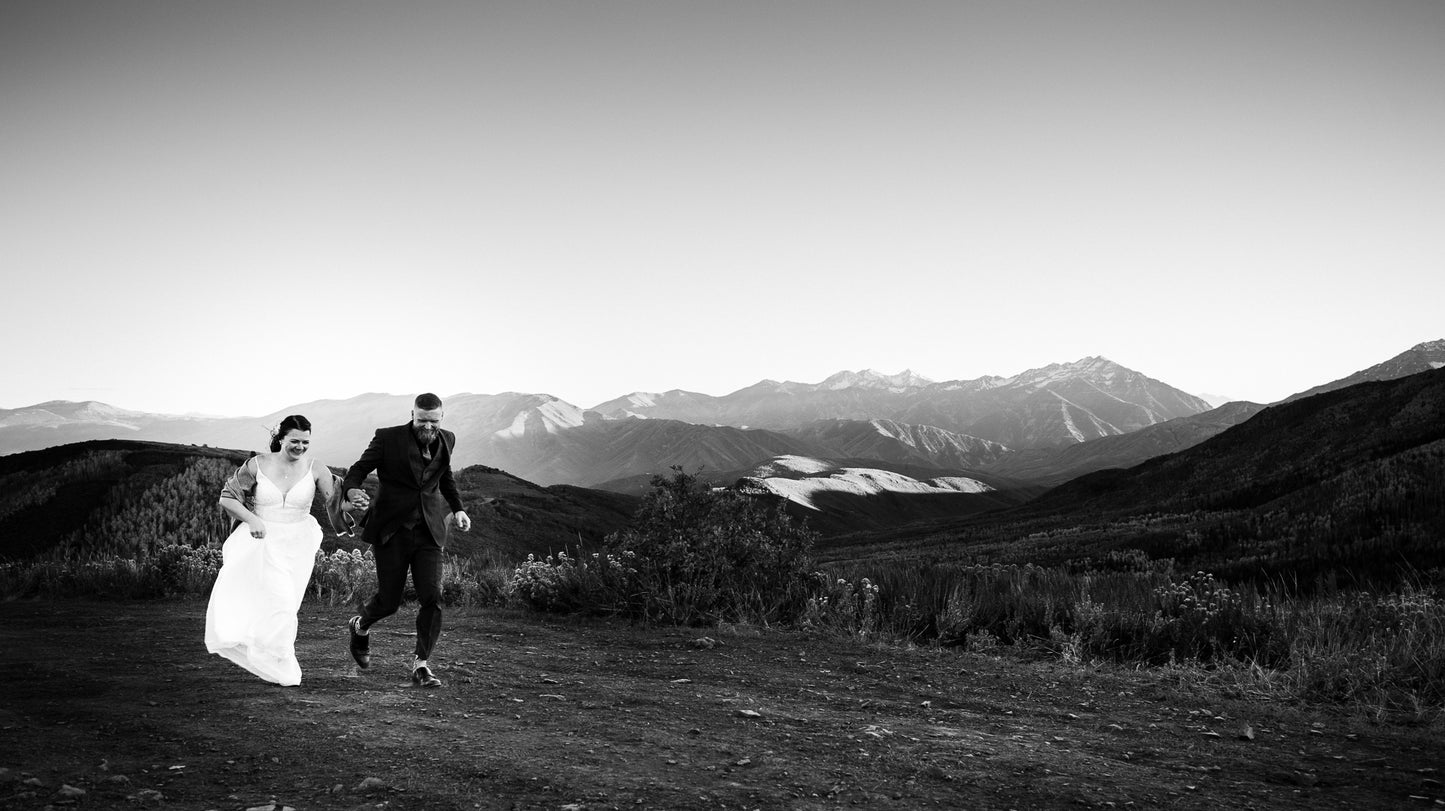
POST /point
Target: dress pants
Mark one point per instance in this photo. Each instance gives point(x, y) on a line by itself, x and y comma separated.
point(413, 549)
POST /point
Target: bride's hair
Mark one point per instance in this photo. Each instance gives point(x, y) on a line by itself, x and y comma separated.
point(295, 422)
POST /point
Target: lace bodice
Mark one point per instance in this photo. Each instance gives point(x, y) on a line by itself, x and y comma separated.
point(292, 505)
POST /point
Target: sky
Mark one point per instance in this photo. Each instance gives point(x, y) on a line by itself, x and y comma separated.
point(232, 207)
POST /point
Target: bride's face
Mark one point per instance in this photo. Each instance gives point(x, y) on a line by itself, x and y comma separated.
point(295, 444)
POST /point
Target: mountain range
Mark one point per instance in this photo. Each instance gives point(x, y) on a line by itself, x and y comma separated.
point(1058, 404)
point(1043, 426)
point(1345, 487)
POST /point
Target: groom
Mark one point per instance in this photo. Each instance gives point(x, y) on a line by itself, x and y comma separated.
point(407, 526)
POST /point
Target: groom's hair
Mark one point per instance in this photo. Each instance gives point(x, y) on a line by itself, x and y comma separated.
point(427, 402)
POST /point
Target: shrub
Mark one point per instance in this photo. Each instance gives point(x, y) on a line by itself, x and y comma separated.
point(600, 584)
point(175, 570)
point(344, 576)
point(1385, 651)
point(839, 606)
point(468, 582)
point(693, 555)
point(1128, 609)
point(1202, 620)
point(704, 556)
point(349, 577)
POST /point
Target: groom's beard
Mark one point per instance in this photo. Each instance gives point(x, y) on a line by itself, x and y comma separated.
point(426, 434)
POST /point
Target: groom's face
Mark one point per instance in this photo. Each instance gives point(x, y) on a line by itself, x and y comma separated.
point(426, 423)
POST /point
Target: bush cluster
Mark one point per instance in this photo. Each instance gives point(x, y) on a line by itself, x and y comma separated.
point(1385, 651)
point(171, 570)
point(599, 584)
point(343, 577)
point(837, 605)
point(176, 570)
point(692, 555)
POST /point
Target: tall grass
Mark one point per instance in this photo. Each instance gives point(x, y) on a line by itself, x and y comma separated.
point(1381, 651)
point(341, 577)
point(166, 571)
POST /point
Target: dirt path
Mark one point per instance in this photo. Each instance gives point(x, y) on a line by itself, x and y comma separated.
point(121, 701)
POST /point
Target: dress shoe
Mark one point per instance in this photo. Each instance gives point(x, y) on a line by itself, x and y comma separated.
point(421, 676)
point(360, 643)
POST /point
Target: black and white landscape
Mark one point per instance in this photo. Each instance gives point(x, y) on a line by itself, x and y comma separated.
point(856, 453)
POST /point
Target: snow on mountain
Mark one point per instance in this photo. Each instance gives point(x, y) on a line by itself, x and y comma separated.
point(1102, 399)
point(893, 441)
point(959, 484)
point(869, 379)
point(801, 479)
point(550, 417)
point(792, 467)
point(1096, 427)
point(934, 441)
point(651, 404)
point(1102, 373)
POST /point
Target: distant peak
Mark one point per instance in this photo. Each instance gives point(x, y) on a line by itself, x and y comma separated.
point(871, 379)
point(1094, 366)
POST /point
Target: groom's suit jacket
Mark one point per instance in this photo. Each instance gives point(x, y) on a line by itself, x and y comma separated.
point(408, 487)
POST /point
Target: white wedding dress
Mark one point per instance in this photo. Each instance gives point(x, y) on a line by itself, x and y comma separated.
point(251, 619)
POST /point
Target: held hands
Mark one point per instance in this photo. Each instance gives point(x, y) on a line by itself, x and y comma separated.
point(358, 499)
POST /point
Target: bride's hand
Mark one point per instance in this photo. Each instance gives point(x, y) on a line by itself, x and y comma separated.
point(258, 529)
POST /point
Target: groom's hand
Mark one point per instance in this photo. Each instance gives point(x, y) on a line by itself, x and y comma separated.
point(463, 522)
point(358, 498)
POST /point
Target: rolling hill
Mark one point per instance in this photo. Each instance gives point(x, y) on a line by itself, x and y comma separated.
point(1421, 357)
point(126, 497)
point(1054, 466)
point(1345, 486)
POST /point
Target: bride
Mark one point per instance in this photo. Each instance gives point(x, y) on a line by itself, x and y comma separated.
point(268, 557)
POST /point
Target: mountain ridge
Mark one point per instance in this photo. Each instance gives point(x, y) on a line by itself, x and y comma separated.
point(1338, 487)
point(1421, 357)
point(508, 430)
point(1042, 423)
point(1092, 397)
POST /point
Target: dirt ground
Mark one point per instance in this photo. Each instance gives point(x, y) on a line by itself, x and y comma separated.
point(117, 705)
